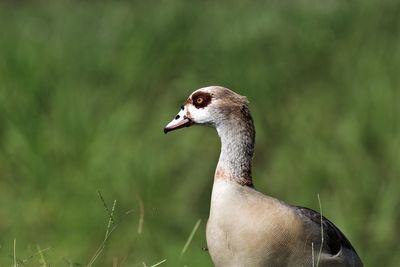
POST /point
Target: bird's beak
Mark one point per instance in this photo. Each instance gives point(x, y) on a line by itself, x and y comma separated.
point(181, 120)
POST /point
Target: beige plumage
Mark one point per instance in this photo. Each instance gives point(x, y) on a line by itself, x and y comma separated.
point(246, 227)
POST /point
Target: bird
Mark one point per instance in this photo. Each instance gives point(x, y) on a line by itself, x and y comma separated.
point(246, 227)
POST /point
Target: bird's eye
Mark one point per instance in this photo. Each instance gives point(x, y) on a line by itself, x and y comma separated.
point(199, 100)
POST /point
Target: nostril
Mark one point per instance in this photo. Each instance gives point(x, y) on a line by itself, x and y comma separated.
point(177, 117)
point(182, 107)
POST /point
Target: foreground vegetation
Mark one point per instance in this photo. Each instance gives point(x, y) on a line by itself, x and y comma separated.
point(86, 88)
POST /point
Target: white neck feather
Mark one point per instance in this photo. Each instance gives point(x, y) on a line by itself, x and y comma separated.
point(237, 147)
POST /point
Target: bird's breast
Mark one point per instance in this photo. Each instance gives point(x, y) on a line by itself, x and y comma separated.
point(246, 228)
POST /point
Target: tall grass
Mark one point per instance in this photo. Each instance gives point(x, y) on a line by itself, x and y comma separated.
point(86, 88)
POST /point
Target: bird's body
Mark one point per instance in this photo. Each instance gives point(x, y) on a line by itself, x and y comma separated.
point(239, 234)
point(246, 227)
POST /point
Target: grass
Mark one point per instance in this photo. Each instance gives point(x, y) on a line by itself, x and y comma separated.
point(316, 263)
point(189, 240)
point(322, 232)
point(22, 262)
point(110, 229)
point(86, 88)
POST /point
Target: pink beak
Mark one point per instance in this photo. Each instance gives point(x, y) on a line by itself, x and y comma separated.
point(180, 121)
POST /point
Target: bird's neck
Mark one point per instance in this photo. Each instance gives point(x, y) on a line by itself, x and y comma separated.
point(237, 136)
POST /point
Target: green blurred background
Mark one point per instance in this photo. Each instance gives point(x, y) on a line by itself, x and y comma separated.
point(87, 87)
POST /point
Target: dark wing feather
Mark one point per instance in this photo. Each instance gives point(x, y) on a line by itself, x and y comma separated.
point(334, 237)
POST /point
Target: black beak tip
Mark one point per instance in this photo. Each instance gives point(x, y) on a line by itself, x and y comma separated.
point(166, 130)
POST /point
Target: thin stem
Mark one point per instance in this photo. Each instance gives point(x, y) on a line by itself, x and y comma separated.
point(189, 240)
point(322, 231)
point(15, 254)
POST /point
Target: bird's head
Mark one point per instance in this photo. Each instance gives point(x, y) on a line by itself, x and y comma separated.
point(208, 106)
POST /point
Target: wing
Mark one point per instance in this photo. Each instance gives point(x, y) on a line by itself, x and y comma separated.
point(335, 239)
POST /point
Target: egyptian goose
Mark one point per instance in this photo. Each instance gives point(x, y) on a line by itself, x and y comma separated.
point(246, 227)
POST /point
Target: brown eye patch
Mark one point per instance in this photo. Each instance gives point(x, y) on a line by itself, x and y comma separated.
point(201, 99)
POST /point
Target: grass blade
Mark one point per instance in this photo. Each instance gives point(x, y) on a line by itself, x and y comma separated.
point(189, 240)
